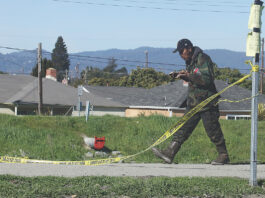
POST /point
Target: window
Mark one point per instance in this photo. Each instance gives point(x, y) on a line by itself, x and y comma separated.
point(238, 117)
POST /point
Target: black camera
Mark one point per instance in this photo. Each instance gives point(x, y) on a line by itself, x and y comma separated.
point(173, 74)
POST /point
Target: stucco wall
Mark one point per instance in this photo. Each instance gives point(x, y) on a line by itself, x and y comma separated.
point(7, 111)
point(178, 113)
point(224, 114)
point(148, 112)
point(101, 111)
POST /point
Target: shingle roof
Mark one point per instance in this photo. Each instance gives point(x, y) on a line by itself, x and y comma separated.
point(125, 95)
point(10, 85)
point(171, 95)
point(24, 89)
point(236, 93)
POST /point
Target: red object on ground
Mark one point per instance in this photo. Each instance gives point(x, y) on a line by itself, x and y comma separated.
point(99, 143)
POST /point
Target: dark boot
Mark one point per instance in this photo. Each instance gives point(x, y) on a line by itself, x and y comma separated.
point(169, 153)
point(223, 157)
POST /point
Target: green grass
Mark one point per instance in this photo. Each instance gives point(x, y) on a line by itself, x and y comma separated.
point(59, 138)
point(12, 186)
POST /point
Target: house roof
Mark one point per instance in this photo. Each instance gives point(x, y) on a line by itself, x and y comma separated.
point(125, 95)
point(23, 89)
point(172, 95)
point(236, 93)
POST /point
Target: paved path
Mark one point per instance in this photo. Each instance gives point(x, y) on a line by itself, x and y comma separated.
point(133, 169)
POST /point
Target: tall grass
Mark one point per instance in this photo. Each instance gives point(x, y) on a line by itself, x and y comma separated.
point(59, 138)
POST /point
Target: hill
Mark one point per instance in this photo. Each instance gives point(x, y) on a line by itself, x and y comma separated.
point(159, 58)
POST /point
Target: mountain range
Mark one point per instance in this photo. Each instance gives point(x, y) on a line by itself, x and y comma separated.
point(162, 59)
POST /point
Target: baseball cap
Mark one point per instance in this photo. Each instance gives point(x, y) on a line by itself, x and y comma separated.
point(183, 43)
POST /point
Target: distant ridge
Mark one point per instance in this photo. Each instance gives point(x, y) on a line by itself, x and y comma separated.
point(18, 62)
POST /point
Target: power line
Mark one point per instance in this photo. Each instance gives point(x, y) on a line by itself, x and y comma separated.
point(190, 3)
point(18, 49)
point(122, 60)
point(135, 66)
point(125, 60)
point(100, 58)
point(146, 7)
point(118, 59)
point(205, 1)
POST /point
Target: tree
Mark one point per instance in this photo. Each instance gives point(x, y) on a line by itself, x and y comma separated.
point(107, 76)
point(45, 64)
point(110, 70)
point(230, 76)
point(122, 71)
point(91, 72)
point(111, 66)
point(60, 58)
point(146, 78)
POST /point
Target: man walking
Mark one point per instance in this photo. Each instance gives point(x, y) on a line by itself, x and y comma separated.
point(199, 74)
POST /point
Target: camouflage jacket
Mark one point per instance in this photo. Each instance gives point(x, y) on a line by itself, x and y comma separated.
point(201, 79)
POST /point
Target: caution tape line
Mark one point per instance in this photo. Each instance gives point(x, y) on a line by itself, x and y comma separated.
point(8, 159)
point(164, 137)
point(236, 101)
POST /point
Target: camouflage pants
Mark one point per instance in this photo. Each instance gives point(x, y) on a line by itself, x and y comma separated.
point(210, 119)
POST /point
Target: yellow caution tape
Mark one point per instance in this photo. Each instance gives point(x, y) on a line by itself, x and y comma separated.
point(88, 162)
point(236, 101)
point(255, 68)
point(165, 136)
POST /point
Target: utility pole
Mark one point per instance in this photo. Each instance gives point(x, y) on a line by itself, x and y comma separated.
point(40, 79)
point(86, 76)
point(254, 124)
point(66, 76)
point(262, 66)
point(79, 93)
point(146, 58)
point(77, 70)
point(253, 49)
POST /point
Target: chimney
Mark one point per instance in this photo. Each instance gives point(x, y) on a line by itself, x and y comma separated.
point(51, 74)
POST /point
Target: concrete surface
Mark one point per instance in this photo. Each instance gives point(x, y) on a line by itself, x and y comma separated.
point(132, 169)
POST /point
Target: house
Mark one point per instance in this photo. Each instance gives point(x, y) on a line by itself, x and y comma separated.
point(19, 96)
point(169, 99)
point(164, 100)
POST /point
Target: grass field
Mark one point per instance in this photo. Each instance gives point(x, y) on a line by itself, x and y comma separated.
point(59, 138)
point(126, 187)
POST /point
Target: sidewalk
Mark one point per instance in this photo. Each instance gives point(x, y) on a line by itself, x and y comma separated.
point(138, 170)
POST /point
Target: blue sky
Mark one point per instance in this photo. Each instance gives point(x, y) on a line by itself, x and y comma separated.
point(90, 25)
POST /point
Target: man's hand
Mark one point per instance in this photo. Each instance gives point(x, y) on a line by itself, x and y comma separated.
point(184, 75)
